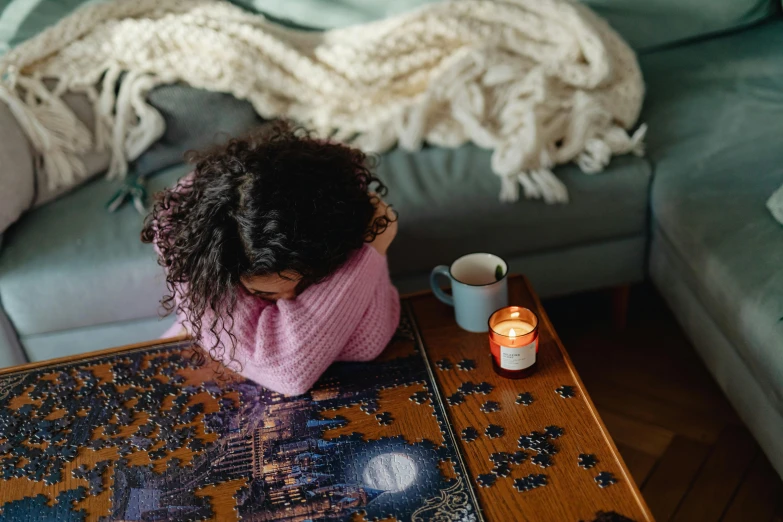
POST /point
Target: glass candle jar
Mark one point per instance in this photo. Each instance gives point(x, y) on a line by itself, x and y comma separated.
point(513, 342)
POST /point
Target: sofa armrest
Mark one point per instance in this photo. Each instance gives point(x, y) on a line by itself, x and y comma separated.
point(11, 352)
point(17, 175)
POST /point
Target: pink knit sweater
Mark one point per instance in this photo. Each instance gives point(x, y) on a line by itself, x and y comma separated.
point(286, 345)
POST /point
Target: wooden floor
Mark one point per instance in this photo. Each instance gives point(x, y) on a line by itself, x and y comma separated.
point(686, 447)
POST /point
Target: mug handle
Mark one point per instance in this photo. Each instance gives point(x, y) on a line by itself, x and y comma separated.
point(443, 297)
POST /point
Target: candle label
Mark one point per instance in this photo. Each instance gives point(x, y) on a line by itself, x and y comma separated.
point(518, 358)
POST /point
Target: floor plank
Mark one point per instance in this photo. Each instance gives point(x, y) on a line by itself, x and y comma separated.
point(639, 463)
point(636, 359)
point(642, 436)
point(697, 425)
point(719, 478)
point(682, 440)
point(778, 516)
point(671, 479)
point(759, 496)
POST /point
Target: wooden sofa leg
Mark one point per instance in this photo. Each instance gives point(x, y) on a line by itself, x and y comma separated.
point(620, 297)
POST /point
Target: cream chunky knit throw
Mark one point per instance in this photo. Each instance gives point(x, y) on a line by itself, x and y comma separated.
point(542, 82)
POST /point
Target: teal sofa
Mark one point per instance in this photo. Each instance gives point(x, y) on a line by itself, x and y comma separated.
point(690, 215)
point(716, 254)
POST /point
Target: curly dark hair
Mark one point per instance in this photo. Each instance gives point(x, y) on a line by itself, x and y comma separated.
point(276, 200)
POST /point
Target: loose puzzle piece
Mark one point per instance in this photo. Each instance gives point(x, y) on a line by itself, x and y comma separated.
point(530, 482)
point(490, 407)
point(466, 388)
point(538, 442)
point(469, 434)
point(466, 365)
point(554, 431)
point(525, 399)
point(500, 457)
point(444, 365)
point(545, 448)
point(518, 457)
point(501, 470)
point(483, 388)
point(486, 480)
point(534, 441)
point(494, 431)
point(542, 460)
point(605, 479)
point(566, 392)
point(587, 460)
point(455, 399)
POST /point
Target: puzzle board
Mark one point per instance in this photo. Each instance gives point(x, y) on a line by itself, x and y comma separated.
point(145, 434)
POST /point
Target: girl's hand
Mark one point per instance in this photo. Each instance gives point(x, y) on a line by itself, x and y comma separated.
point(382, 241)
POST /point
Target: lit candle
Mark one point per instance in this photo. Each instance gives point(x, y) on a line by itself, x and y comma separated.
point(513, 328)
point(513, 341)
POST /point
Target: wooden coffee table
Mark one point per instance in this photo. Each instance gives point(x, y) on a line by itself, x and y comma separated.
point(141, 429)
point(571, 492)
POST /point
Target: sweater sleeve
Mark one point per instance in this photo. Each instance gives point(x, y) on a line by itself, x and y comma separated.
point(287, 345)
point(376, 327)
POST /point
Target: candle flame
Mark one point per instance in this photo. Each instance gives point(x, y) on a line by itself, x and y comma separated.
point(512, 333)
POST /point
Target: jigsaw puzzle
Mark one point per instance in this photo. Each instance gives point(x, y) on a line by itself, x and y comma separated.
point(146, 434)
point(605, 479)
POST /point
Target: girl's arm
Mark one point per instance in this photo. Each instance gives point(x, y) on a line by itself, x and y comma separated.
point(376, 328)
point(287, 345)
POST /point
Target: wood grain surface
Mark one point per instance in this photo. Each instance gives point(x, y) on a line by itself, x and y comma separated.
point(571, 494)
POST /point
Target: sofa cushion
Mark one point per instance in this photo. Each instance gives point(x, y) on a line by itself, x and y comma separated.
point(17, 185)
point(70, 264)
point(71, 251)
point(644, 24)
point(715, 110)
point(448, 205)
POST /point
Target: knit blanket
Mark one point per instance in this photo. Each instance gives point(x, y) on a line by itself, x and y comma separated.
point(540, 82)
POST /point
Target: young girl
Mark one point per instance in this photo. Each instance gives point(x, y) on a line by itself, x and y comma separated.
point(274, 250)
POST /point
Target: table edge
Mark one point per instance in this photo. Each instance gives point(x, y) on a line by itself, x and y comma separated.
point(591, 406)
point(95, 353)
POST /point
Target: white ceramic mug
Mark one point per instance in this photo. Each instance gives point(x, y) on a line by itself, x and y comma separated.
point(479, 286)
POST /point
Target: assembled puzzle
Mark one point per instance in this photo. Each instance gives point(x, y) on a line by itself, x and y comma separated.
point(146, 434)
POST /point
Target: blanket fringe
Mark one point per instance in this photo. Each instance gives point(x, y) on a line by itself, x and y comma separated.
point(599, 151)
point(137, 124)
point(53, 129)
point(536, 184)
